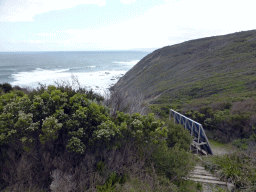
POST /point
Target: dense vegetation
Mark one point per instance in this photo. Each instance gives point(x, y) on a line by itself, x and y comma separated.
point(237, 167)
point(227, 121)
point(211, 79)
point(66, 140)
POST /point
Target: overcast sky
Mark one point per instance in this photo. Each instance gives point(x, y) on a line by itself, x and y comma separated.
point(82, 25)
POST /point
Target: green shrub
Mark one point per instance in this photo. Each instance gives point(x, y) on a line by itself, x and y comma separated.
point(6, 87)
point(38, 130)
point(174, 163)
point(241, 143)
point(112, 180)
point(156, 184)
point(191, 186)
point(236, 167)
point(178, 136)
point(48, 122)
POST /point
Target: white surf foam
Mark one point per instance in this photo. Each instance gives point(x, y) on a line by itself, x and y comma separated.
point(99, 81)
point(133, 62)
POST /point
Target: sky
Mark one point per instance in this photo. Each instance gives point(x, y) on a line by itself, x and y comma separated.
point(91, 25)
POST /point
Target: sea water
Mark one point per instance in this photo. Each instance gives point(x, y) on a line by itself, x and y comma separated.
point(97, 70)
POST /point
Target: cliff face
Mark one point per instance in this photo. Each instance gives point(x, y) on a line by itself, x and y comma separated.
point(195, 69)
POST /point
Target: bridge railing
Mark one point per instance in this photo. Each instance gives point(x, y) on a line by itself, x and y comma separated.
point(200, 141)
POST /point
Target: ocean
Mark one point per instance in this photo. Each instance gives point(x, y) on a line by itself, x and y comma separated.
point(97, 70)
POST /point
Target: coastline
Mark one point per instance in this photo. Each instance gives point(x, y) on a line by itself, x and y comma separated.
point(94, 70)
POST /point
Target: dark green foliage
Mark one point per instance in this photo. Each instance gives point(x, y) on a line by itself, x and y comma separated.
point(168, 161)
point(112, 180)
point(227, 121)
point(68, 89)
point(100, 166)
point(6, 87)
point(246, 144)
point(32, 125)
point(157, 184)
point(178, 136)
point(238, 168)
point(162, 111)
point(50, 129)
point(241, 143)
point(191, 186)
point(199, 186)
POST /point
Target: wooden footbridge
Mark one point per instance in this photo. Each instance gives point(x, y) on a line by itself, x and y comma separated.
point(200, 141)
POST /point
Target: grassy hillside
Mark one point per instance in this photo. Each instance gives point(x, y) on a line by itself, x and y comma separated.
point(217, 71)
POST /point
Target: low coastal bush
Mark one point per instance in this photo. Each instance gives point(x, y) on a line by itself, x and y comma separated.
point(238, 168)
point(5, 87)
point(132, 102)
point(58, 138)
point(227, 121)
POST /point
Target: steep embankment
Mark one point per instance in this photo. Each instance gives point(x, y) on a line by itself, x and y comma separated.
point(197, 68)
point(212, 80)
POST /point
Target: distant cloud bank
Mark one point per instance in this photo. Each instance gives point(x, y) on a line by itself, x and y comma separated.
point(25, 10)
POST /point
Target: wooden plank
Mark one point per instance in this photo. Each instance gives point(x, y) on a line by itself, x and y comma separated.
point(209, 181)
point(194, 173)
point(203, 151)
point(204, 177)
point(199, 167)
point(198, 144)
point(201, 173)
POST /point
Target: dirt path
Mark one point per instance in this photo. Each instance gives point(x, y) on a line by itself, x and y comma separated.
point(221, 149)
